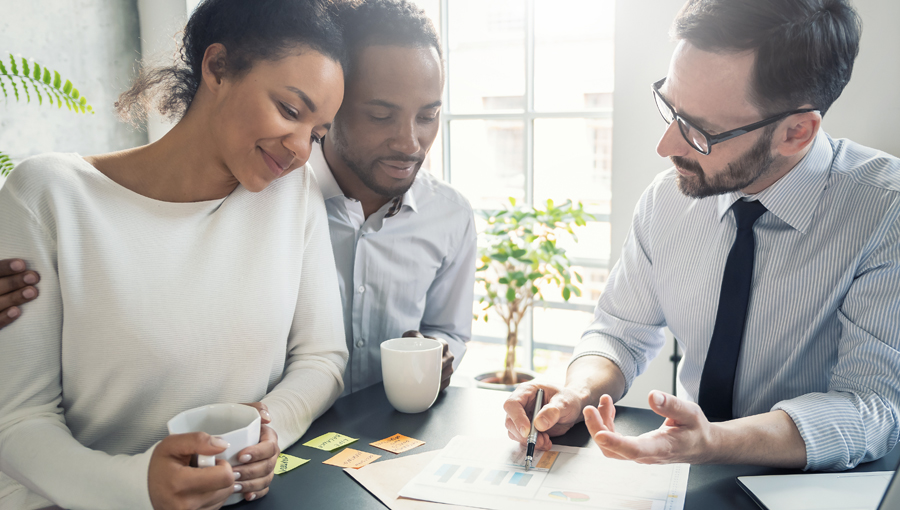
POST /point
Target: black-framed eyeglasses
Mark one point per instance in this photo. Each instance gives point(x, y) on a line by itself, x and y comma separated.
point(699, 139)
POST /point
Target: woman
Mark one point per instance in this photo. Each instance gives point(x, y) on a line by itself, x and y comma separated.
point(193, 270)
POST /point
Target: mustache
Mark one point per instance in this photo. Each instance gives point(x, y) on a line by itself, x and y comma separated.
point(686, 164)
point(403, 158)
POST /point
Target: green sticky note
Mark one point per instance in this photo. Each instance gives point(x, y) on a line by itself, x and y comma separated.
point(288, 462)
point(330, 441)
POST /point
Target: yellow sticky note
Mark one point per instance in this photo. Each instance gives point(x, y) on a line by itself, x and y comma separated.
point(547, 460)
point(398, 443)
point(330, 441)
point(286, 463)
point(351, 458)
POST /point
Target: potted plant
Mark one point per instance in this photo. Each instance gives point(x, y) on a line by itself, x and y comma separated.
point(28, 77)
point(519, 261)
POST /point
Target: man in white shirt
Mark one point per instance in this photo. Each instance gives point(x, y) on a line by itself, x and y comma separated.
point(403, 241)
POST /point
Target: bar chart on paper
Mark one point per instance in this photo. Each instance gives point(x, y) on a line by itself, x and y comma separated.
point(487, 473)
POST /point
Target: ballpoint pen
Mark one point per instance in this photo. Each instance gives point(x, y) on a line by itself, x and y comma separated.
point(532, 436)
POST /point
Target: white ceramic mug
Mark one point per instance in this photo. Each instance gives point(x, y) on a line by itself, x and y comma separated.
point(411, 369)
point(235, 423)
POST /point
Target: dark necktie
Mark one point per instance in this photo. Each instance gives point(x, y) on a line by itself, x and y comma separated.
point(717, 382)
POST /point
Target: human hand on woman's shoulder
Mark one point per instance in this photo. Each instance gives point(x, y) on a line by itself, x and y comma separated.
point(16, 288)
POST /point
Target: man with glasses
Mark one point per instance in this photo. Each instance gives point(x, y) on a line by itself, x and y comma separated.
point(770, 250)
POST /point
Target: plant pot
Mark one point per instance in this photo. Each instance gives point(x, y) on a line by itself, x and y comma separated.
point(489, 380)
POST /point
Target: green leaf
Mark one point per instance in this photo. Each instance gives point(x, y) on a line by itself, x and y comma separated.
point(67, 87)
point(15, 69)
point(57, 80)
point(510, 294)
point(46, 78)
point(578, 278)
point(566, 293)
point(512, 201)
point(75, 94)
point(504, 280)
point(37, 71)
point(6, 165)
point(2, 68)
point(26, 71)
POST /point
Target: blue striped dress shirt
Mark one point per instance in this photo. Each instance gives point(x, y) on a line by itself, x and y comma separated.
point(413, 270)
point(822, 338)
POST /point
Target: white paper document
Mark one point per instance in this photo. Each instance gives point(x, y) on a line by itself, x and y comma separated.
point(490, 473)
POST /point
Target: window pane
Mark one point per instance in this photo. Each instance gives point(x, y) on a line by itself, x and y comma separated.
point(593, 283)
point(573, 160)
point(487, 55)
point(573, 54)
point(559, 327)
point(488, 160)
point(594, 241)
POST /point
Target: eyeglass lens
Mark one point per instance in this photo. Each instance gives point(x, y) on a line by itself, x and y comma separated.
point(694, 137)
point(690, 133)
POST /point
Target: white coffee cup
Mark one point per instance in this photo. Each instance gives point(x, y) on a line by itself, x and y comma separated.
point(235, 423)
point(411, 369)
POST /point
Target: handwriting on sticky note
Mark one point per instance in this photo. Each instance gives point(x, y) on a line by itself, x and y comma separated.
point(398, 443)
point(330, 441)
point(286, 463)
point(352, 458)
point(547, 459)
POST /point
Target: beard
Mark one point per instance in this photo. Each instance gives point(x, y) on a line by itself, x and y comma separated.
point(366, 170)
point(737, 175)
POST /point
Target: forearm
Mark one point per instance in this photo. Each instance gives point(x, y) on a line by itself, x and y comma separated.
point(44, 457)
point(590, 377)
point(768, 439)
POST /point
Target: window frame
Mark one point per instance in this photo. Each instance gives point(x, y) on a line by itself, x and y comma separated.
point(528, 117)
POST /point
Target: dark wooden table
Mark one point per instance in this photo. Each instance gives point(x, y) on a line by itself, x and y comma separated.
point(368, 415)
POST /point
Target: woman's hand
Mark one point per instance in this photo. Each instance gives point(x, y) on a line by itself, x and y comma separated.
point(255, 475)
point(174, 484)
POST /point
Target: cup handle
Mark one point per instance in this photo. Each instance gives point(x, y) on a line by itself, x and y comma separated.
point(206, 461)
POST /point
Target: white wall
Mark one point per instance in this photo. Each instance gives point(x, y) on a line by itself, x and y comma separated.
point(93, 43)
point(868, 112)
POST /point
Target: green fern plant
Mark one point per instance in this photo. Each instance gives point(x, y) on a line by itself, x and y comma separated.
point(32, 78)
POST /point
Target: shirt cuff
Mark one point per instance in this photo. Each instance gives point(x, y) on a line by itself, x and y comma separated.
point(832, 429)
point(595, 344)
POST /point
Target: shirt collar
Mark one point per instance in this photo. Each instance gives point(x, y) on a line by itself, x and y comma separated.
point(795, 197)
point(327, 183)
point(331, 189)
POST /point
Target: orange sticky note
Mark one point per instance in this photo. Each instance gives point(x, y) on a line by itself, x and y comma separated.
point(547, 459)
point(398, 443)
point(350, 458)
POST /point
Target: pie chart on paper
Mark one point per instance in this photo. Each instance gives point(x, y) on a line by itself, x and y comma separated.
point(575, 497)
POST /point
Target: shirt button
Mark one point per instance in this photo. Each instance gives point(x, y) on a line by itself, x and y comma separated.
point(361, 289)
point(360, 343)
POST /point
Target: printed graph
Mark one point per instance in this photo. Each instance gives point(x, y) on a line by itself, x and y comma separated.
point(520, 479)
point(575, 497)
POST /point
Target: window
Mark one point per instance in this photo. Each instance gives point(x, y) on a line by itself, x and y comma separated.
point(528, 114)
